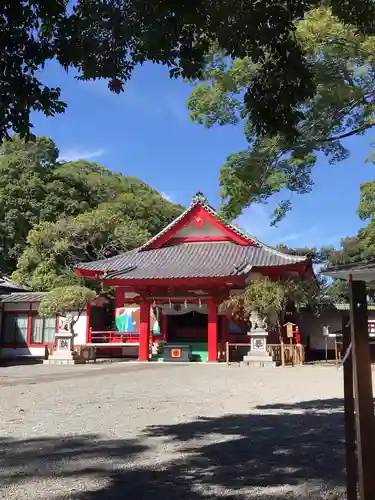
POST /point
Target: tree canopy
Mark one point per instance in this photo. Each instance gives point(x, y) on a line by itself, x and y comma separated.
point(65, 300)
point(342, 65)
point(54, 215)
point(356, 248)
point(270, 298)
point(31, 190)
point(108, 39)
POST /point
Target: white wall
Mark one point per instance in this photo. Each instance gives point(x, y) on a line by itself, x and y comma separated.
point(80, 327)
point(192, 231)
point(312, 325)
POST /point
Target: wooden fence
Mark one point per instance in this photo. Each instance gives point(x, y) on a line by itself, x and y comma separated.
point(287, 354)
point(282, 354)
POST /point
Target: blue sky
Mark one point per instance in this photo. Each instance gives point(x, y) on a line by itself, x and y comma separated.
point(146, 132)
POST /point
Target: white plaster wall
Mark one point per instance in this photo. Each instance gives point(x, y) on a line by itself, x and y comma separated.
point(192, 231)
point(79, 327)
point(313, 326)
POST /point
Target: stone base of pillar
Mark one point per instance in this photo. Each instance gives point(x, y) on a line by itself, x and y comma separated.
point(70, 359)
point(259, 359)
point(64, 353)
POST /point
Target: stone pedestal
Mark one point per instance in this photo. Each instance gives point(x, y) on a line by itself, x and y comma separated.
point(258, 354)
point(64, 353)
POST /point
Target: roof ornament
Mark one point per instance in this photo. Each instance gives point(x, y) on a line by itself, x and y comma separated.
point(199, 197)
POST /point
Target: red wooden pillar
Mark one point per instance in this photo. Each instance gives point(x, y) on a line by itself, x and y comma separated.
point(144, 330)
point(29, 324)
point(88, 319)
point(223, 335)
point(120, 296)
point(212, 330)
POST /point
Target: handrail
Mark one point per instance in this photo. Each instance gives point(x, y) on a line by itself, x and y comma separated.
point(112, 336)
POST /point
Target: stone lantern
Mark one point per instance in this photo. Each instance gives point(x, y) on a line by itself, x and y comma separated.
point(258, 354)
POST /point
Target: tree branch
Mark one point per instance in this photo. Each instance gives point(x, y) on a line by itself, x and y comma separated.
point(356, 131)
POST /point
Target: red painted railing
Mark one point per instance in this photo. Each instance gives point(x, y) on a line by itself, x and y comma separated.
point(112, 337)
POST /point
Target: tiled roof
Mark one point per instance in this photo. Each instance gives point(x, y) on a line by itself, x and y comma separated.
point(191, 260)
point(360, 271)
point(6, 283)
point(22, 297)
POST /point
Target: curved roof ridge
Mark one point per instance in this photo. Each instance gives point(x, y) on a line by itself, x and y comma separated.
point(251, 237)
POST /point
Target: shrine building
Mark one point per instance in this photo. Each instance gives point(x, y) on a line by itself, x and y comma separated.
point(170, 289)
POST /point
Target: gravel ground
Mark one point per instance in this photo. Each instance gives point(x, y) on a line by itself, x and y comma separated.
point(128, 430)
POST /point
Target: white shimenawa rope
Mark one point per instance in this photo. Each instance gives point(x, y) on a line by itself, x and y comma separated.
point(347, 354)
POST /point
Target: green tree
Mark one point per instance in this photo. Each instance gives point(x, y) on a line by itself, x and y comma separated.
point(54, 250)
point(103, 184)
point(352, 249)
point(109, 39)
point(342, 63)
point(65, 300)
point(35, 187)
point(32, 191)
point(270, 298)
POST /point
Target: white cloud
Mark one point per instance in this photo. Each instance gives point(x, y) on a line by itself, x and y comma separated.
point(169, 197)
point(79, 154)
point(299, 236)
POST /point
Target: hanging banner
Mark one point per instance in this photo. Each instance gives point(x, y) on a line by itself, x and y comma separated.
point(154, 323)
point(127, 320)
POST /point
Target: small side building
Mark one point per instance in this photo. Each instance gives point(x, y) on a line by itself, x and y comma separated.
point(311, 328)
point(23, 332)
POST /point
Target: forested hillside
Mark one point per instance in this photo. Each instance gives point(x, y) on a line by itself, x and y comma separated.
point(55, 214)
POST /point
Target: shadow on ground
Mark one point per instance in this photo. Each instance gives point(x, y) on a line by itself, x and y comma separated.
point(20, 361)
point(234, 456)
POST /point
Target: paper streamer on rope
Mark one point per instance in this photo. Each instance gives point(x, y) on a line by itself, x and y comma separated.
point(347, 354)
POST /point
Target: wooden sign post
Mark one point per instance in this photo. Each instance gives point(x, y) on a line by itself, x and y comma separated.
point(290, 333)
point(350, 430)
point(289, 330)
point(363, 397)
